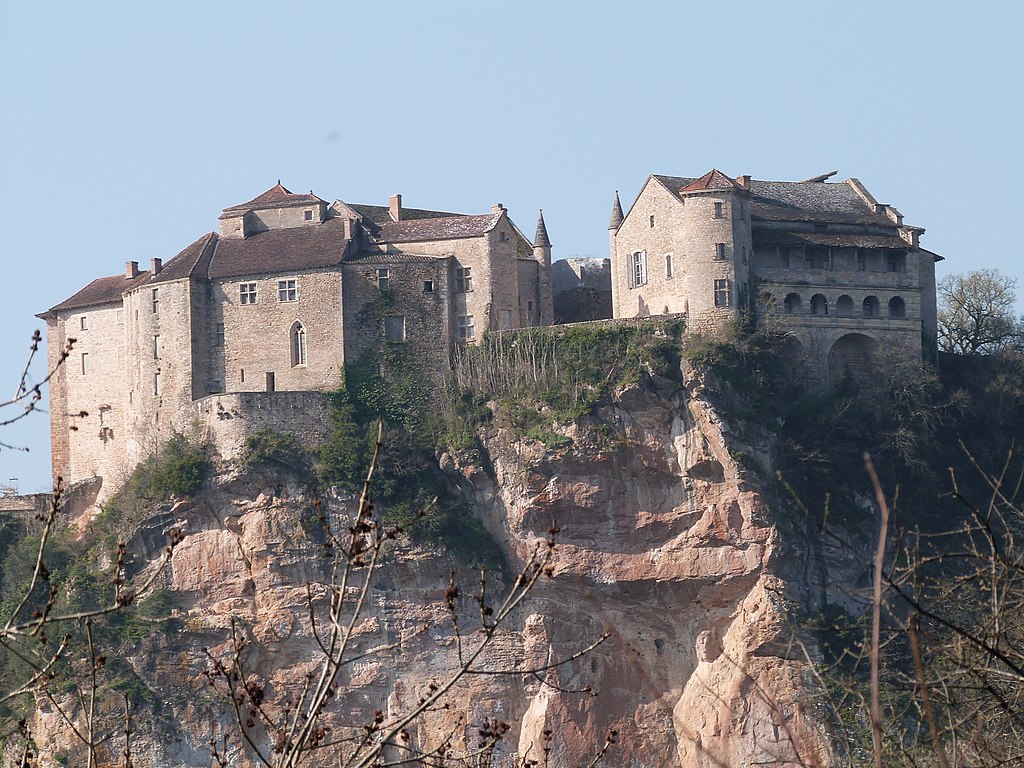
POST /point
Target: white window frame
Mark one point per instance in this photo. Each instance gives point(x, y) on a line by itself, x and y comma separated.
point(158, 347)
point(298, 345)
point(287, 290)
point(247, 293)
point(637, 269)
point(218, 335)
point(723, 293)
point(156, 300)
point(383, 279)
point(465, 328)
point(720, 252)
point(463, 279)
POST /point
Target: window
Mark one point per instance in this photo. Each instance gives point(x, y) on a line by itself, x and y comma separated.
point(720, 251)
point(793, 304)
point(897, 308)
point(287, 290)
point(156, 299)
point(638, 269)
point(719, 210)
point(309, 215)
point(862, 260)
point(85, 363)
point(247, 293)
point(428, 286)
point(82, 323)
point(503, 237)
point(652, 221)
point(870, 306)
point(241, 375)
point(158, 388)
point(218, 335)
point(394, 328)
point(464, 324)
point(723, 293)
point(668, 265)
point(529, 308)
point(158, 348)
point(298, 345)
point(819, 304)
point(463, 280)
point(383, 279)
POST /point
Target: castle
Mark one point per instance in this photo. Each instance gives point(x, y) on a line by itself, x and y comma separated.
point(246, 325)
point(838, 272)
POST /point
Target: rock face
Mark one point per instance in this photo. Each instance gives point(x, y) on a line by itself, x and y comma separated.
point(667, 544)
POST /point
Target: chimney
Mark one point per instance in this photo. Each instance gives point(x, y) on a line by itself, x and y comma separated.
point(497, 208)
point(395, 207)
point(347, 228)
point(157, 265)
point(131, 269)
point(744, 181)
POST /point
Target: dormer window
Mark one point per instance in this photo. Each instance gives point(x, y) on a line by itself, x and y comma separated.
point(309, 215)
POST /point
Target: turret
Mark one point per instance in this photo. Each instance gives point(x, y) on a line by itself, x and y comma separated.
point(613, 228)
point(542, 254)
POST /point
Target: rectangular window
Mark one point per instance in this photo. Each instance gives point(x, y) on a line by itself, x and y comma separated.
point(652, 221)
point(428, 286)
point(247, 293)
point(638, 269)
point(82, 323)
point(723, 293)
point(85, 363)
point(158, 388)
point(383, 279)
point(720, 251)
point(156, 299)
point(719, 210)
point(241, 375)
point(309, 215)
point(668, 265)
point(158, 348)
point(463, 280)
point(218, 335)
point(287, 290)
point(529, 308)
point(394, 328)
point(464, 324)
point(862, 260)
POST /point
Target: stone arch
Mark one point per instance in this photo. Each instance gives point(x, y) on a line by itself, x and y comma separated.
point(819, 304)
point(844, 306)
point(897, 308)
point(851, 355)
point(871, 306)
point(297, 343)
point(793, 304)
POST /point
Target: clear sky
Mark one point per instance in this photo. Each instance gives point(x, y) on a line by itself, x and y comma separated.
point(126, 127)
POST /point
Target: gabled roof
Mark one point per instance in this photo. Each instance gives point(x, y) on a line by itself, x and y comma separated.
point(713, 179)
point(381, 214)
point(280, 250)
point(445, 228)
point(194, 260)
point(102, 290)
point(275, 197)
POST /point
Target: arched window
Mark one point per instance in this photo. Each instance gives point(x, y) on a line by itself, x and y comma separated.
point(298, 345)
point(897, 309)
point(793, 305)
point(819, 304)
point(844, 306)
point(871, 306)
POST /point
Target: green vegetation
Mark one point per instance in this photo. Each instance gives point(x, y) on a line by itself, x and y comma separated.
point(177, 469)
point(265, 447)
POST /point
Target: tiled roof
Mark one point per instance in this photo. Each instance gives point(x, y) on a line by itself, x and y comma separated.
point(837, 240)
point(446, 228)
point(713, 179)
point(381, 214)
point(276, 197)
point(280, 250)
point(391, 257)
point(102, 290)
point(193, 260)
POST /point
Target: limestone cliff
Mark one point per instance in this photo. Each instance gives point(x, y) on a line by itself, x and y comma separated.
point(668, 544)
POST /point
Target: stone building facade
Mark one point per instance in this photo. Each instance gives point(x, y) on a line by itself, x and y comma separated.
point(288, 291)
point(838, 272)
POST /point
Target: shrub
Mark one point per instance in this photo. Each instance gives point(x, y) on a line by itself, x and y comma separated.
point(270, 448)
point(178, 469)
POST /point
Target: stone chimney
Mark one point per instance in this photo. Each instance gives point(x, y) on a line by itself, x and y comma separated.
point(131, 269)
point(497, 208)
point(157, 265)
point(395, 207)
point(744, 181)
point(346, 224)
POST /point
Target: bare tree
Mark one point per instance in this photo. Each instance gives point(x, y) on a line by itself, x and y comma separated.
point(976, 315)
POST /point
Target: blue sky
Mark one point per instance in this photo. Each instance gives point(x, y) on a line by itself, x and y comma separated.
point(125, 128)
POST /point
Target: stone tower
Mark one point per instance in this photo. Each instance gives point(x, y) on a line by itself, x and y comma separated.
point(542, 254)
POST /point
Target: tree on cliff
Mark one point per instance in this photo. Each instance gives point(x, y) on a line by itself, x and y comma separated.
point(976, 314)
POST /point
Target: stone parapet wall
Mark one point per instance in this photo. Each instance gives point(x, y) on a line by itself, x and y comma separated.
point(226, 420)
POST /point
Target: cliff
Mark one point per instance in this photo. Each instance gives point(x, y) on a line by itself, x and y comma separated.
point(670, 543)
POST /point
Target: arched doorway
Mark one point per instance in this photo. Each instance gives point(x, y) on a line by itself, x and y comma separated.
point(851, 355)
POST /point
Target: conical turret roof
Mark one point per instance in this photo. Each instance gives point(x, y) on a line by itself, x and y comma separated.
point(617, 216)
point(540, 240)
